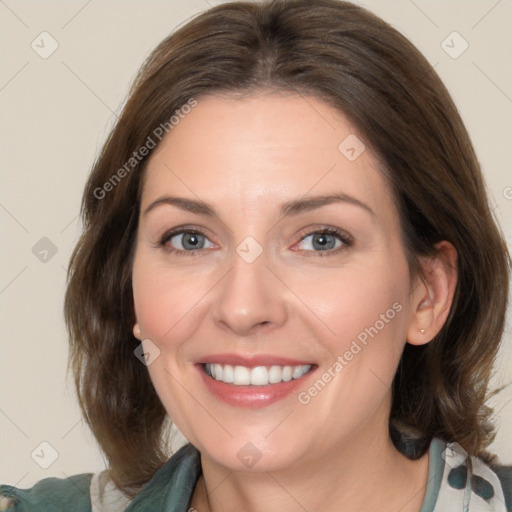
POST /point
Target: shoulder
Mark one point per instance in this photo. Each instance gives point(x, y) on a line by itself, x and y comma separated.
point(79, 493)
point(504, 474)
point(50, 494)
point(172, 485)
point(471, 480)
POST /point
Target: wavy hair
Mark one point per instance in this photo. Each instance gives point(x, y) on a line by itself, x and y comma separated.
point(360, 65)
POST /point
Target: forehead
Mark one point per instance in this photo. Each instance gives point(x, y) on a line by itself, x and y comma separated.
point(264, 149)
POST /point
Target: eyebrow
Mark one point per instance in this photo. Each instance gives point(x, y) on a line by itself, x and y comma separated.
point(297, 206)
point(189, 205)
point(293, 207)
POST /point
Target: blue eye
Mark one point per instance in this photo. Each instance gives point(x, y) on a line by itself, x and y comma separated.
point(323, 241)
point(327, 241)
point(186, 241)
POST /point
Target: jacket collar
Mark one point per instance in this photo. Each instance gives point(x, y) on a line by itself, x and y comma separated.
point(172, 486)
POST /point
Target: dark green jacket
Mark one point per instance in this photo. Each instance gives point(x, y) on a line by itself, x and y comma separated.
point(451, 487)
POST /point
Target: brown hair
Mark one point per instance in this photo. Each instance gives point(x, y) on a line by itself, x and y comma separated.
point(360, 65)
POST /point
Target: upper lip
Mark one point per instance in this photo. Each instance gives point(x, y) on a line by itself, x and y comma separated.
point(252, 361)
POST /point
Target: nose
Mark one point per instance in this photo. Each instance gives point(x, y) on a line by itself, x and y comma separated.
point(250, 299)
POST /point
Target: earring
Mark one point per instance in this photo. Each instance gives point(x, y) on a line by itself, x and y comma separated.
point(422, 331)
point(136, 331)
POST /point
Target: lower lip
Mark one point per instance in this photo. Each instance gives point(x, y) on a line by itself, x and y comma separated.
point(251, 397)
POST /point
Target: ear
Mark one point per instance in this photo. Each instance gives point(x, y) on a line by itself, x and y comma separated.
point(136, 327)
point(433, 294)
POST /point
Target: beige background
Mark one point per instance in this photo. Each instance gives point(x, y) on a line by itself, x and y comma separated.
point(55, 114)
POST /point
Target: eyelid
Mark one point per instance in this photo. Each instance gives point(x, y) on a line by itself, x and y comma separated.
point(346, 239)
point(164, 239)
point(180, 231)
point(341, 233)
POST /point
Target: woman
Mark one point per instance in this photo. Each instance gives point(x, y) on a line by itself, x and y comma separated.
point(288, 251)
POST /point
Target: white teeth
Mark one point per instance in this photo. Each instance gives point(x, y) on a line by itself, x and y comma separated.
point(287, 373)
point(275, 374)
point(257, 376)
point(218, 372)
point(242, 376)
point(227, 374)
point(297, 372)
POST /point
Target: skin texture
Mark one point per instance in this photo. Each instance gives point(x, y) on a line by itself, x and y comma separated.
point(246, 157)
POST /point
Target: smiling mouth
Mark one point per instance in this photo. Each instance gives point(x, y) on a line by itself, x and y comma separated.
point(255, 376)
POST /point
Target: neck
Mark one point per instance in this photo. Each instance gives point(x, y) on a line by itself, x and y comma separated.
point(364, 473)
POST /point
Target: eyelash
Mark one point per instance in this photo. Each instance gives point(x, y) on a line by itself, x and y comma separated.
point(345, 239)
point(179, 231)
point(342, 236)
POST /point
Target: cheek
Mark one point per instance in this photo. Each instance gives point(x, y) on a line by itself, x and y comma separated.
point(352, 302)
point(365, 314)
point(167, 308)
point(364, 311)
point(166, 301)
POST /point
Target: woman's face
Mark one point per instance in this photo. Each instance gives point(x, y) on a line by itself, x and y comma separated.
point(269, 253)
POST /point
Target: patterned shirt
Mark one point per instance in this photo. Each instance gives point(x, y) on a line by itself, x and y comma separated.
point(456, 483)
